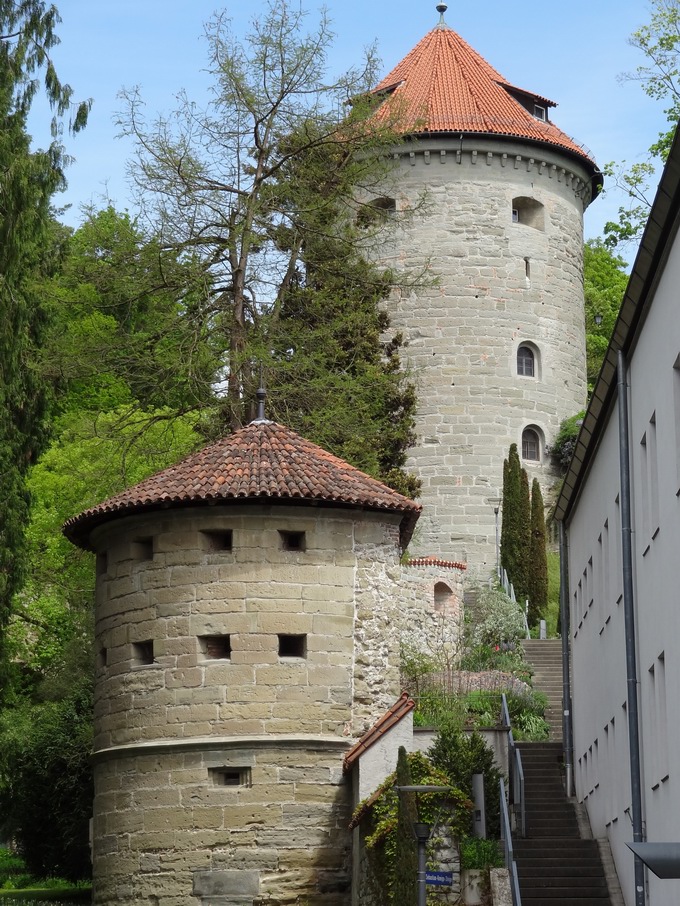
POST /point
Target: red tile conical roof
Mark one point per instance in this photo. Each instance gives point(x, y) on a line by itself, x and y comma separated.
point(262, 462)
point(443, 85)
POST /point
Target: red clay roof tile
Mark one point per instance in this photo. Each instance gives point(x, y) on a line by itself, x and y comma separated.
point(443, 85)
point(436, 561)
point(263, 461)
point(392, 716)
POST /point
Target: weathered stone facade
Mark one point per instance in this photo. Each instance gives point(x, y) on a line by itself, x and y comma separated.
point(218, 765)
point(500, 283)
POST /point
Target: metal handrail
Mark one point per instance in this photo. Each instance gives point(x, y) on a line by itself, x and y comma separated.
point(515, 773)
point(506, 836)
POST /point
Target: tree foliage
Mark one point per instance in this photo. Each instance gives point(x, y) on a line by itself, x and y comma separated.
point(538, 560)
point(516, 522)
point(261, 191)
point(404, 888)
point(29, 180)
point(659, 42)
point(605, 282)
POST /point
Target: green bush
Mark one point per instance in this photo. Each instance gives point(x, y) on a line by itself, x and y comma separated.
point(481, 854)
point(460, 755)
point(494, 619)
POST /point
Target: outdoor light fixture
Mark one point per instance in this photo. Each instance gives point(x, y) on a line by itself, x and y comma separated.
point(422, 834)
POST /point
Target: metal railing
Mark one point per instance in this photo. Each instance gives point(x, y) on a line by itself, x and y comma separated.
point(515, 774)
point(506, 836)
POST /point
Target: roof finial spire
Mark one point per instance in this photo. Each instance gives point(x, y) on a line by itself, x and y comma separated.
point(441, 9)
point(261, 395)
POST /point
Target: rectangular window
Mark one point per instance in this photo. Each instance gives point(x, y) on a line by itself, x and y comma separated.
point(293, 541)
point(653, 478)
point(103, 657)
point(216, 541)
point(215, 647)
point(142, 653)
point(231, 776)
point(676, 407)
point(102, 567)
point(142, 549)
point(539, 112)
point(292, 646)
point(662, 716)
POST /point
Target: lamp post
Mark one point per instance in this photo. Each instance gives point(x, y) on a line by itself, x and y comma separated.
point(496, 504)
point(422, 834)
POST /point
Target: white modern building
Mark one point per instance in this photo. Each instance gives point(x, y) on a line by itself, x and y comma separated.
point(623, 590)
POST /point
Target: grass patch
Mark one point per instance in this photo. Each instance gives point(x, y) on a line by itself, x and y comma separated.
point(39, 895)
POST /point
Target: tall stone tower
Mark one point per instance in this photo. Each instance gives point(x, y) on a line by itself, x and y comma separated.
point(496, 345)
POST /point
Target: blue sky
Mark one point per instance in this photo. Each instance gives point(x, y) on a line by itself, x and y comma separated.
point(570, 53)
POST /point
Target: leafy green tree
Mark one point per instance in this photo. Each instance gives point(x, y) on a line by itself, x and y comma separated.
point(659, 41)
point(516, 523)
point(538, 560)
point(263, 190)
point(46, 777)
point(29, 180)
point(128, 322)
point(605, 281)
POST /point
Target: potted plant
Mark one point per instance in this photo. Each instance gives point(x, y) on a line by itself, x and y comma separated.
point(477, 857)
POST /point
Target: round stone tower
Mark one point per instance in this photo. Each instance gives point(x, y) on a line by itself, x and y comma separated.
point(244, 639)
point(493, 195)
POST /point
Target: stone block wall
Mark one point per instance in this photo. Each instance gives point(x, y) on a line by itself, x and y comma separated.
point(497, 284)
point(167, 831)
point(218, 753)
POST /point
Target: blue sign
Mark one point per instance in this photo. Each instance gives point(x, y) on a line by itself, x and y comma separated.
point(439, 878)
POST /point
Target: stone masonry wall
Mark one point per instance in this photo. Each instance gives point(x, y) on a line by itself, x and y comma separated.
point(166, 831)
point(219, 771)
point(499, 284)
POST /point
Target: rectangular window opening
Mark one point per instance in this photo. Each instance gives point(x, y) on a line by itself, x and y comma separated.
point(142, 549)
point(102, 563)
point(142, 653)
point(103, 657)
point(293, 646)
point(231, 776)
point(215, 647)
point(216, 541)
point(293, 541)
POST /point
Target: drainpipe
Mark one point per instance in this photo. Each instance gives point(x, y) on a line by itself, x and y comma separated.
point(629, 623)
point(566, 673)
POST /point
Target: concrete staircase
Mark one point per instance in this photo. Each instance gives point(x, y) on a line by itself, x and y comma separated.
point(554, 865)
point(545, 658)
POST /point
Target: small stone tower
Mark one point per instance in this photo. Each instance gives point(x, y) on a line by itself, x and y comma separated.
point(497, 345)
point(248, 617)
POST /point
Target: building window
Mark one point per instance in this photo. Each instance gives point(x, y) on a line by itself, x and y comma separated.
point(293, 541)
point(231, 776)
point(215, 541)
point(293, 646)
point(443, 598)
point(540, 112)
point(142, 549)
point(529, 212)
point(215, 647)
point(376, 212)
point(142, 653)
point(526, 361)
point(531, 445)
point(102, 566)
point(103, 659)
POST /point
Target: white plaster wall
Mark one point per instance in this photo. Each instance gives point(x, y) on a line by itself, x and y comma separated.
point(463, 332)
point(597, 628)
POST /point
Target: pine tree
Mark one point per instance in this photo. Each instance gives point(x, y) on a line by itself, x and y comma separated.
point(516, 525)
point(524, 535)
point(538, 561)
point(404, 890)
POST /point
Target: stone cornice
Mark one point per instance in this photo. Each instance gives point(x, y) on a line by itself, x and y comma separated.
point(211, 743)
